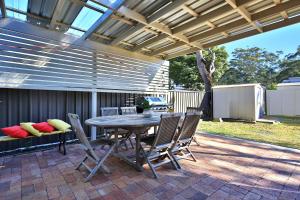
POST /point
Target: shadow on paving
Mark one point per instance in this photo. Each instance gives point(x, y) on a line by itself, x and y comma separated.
point(226, 169)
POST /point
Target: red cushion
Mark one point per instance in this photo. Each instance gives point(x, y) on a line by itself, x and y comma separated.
point(43, 127)
point(15, 131)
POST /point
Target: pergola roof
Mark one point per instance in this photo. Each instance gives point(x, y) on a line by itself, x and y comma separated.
point(163, 28)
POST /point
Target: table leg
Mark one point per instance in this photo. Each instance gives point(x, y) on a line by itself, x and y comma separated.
point(137, 151)
point(116, 141)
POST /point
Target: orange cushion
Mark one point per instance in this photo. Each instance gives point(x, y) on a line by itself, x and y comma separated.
point(15, 132)
point(43, 127)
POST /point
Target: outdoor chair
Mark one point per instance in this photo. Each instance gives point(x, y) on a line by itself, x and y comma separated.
point(156, 150)
point(110, 111)
point(194, 110)
point(89, 148)
point(180, 148)
point(128, 110)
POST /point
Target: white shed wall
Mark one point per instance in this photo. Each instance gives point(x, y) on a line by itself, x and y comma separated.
point(238, 102)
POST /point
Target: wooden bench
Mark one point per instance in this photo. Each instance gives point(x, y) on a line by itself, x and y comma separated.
point(61, 136)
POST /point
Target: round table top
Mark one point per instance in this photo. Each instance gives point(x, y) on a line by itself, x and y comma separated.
point(125, 121)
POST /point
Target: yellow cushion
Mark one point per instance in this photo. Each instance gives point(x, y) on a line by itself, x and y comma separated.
point(28, 127)
point(59, 124)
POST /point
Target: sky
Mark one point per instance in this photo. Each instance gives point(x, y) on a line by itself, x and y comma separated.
point(285, 39)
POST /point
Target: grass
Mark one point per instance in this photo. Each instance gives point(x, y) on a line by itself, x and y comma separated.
point(286, 134)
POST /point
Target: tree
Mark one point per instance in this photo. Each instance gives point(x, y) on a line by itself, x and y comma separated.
point(206, 70)
point(290, 66)
point(184, 71)
point(253, 65)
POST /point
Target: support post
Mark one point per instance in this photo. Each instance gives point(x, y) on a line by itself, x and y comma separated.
point(94, 114)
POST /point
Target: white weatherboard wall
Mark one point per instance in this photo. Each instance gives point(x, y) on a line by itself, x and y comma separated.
point(238, 101)
point(285, 100)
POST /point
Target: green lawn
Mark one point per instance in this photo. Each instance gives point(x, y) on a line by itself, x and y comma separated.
point(287, 133)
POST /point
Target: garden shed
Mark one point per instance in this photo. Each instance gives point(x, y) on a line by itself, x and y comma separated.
point(245, 101)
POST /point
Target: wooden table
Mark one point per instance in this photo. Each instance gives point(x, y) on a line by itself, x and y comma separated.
point(136, 124)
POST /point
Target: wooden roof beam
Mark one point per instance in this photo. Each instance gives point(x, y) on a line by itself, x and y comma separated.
point(56, 14)
point(150, 31)
point(287, 22)
point(245, 14)
point(150, 41)
point(201, 19)
point(241, 22)
point(162, 12)
point(190, 10)
point(131, 14)
point(210, 24)
point(122, 19)
point(284, 14)
point(3, 9)
point(277, 1)
point(280, 24)
point(181, 53)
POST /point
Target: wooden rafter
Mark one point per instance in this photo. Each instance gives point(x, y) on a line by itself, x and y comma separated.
point(56, 13)
point(245, 14)
point(155, 25)
point(267, 28)
point(242, 22)
point(200, 20)
point(190, 10)
point(3, 9)
point(150, 22)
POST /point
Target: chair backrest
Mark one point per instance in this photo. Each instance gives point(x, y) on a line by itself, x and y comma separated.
point(193, 109)
point(128, 110)
point(77, 128)
point(189, 126)
point(167, 129)
point(109, 111)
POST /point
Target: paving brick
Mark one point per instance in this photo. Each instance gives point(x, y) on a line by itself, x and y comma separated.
point(252, 196)
point(226, 169)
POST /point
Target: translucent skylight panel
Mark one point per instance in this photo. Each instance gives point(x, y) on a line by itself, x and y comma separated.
point(16, 15)
point(18, 5)
point(86, 18)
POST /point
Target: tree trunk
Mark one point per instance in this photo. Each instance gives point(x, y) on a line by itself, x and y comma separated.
point(206, 70)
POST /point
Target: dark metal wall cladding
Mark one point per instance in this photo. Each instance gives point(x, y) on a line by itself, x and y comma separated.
point(21, 105)
point(37, 106)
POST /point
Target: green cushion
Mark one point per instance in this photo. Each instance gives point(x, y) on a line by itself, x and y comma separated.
point(28, 127)
point(59, 124)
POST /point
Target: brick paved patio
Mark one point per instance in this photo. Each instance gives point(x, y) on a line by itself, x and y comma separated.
point(227, 169)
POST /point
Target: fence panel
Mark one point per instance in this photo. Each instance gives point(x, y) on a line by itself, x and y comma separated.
point(283, 102)
point(183, 99)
